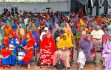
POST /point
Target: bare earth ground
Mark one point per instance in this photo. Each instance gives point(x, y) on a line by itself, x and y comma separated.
point(74, 67)
point(88, 66)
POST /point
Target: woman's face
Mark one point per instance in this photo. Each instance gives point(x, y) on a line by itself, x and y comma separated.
point(10, 36)
point(20, 27)
point(27, 36)
point(89, 38)
point(65, 25)
point(96, 28)
point(6, 26)
point(64, 37)
point(48, 35)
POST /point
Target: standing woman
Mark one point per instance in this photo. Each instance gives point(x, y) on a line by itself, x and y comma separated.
point(106, 54)
point(84, 51)
point(47, 49)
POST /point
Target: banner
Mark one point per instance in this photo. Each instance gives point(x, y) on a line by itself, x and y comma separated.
point(84, 2)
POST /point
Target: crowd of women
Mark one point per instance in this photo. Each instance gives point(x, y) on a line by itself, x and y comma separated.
point(53, 36)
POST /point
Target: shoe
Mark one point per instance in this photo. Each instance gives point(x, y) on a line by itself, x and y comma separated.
point(19, 66)
point(51, 67)
point(80, 68)
point(94, 61)
point(71, 62)
point(9, 66)
point(28, 66)
point(41, 66)
point(66, 68)
point(4, 67)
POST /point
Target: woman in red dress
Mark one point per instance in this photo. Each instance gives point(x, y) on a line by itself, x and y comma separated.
point(47, 49)
point(29, 48)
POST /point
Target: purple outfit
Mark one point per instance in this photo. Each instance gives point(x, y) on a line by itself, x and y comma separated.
point(86, 46)
point(107, 57)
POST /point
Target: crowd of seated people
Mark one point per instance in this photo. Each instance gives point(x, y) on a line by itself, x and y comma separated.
point(54, 36)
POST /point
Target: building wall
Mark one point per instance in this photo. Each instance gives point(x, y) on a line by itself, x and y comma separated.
point(37, 7)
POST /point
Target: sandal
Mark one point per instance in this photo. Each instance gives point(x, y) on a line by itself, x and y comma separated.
point(9, 66)
point(4, 67)
point(41, 66)
point(51, 67)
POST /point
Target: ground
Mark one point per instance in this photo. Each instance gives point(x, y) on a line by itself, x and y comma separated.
point(89, 65)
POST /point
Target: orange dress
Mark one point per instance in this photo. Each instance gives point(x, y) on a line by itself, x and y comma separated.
point(5, 41)
point(7, 29)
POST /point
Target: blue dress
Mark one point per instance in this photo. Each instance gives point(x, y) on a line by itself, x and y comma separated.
point(13, 44)
point(36, 38)
point(6, 61)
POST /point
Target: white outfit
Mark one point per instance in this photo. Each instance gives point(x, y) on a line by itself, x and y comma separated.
point(97, 34)
point(26, 21)
point(42, 34)
point(81, 59)
point(21, 55)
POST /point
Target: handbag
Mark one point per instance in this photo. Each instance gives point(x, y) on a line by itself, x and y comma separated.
point(59, 65)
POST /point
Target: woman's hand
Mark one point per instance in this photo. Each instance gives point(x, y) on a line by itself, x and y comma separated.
point(25, 48)
point(47, 46)
point(79, 50)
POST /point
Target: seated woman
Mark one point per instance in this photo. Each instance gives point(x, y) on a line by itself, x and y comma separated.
point(63, 47)
point(106, 54)
point(5, 52)
point(27, 46)
point(13, 44)
point(6, 56)
point(84, 51)
point(47, 50)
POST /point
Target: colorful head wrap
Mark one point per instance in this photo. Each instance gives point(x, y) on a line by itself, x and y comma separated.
point(13, 33)
point(30, 34)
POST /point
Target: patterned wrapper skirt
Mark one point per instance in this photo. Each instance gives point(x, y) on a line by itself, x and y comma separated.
point(46, 57)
